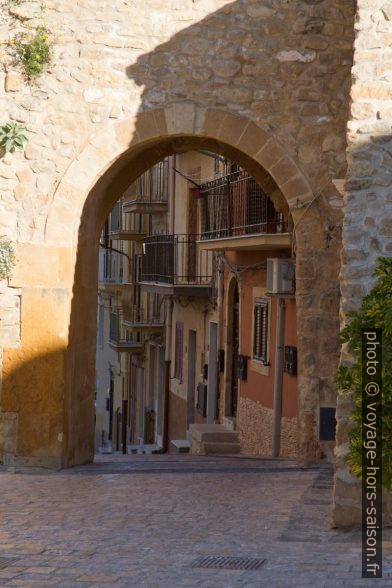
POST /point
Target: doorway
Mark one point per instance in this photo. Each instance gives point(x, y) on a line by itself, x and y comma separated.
point(191, 378)
point(212, 374)
point(235, 350)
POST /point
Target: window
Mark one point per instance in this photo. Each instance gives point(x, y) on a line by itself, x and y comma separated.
point(179, 351)
point(260, 330)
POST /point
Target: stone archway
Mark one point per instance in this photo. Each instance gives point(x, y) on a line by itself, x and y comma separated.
point(110, 161)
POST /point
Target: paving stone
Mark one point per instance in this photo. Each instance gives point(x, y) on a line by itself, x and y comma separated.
point(140, 521)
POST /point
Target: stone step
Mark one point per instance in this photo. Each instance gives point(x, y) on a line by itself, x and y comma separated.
point(229, 423)
point(211, 433)
point(180, 446)
point(218, 437)
point(220, 447)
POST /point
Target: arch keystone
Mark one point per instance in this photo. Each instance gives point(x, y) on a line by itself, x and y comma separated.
point(180, 118)
point(200, 117)
point(160, 122)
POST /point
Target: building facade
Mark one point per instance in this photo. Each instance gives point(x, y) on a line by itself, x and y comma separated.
point(188, 333)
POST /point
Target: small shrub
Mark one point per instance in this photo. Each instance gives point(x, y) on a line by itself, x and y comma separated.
point(34, 51)
point(7, 258)
point(375, 312)
point(12, 136)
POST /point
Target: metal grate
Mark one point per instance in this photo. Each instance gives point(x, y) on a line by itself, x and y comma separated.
point(228, 563)
point(7, 561)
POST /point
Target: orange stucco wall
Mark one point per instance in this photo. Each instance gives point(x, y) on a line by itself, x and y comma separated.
point(260, 387)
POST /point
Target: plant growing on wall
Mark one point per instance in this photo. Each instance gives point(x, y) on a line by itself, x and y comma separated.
point(7, 258)
point(375, 312)
point(33, 51)
point(12, 136)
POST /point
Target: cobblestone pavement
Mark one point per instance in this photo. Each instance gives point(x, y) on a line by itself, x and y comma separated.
point(141, 521)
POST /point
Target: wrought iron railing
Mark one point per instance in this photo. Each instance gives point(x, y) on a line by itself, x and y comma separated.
point(235, 205)
point(128, 224)
point(118, 335)
point(138, 316)
point(152, 186)
point(176, 259)
point(111, 267)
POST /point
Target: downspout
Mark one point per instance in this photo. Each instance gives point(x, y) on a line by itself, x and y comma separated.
point(166, 383)
point(125, 392)
point(172, 197)
point(220, 279)
point(220, 301)
point(278, 377)
point(168, 323)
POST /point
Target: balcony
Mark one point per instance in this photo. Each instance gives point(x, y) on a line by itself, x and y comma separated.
point(133, 229)
point(111, 272)
point(127, 234)
point(137, 319)
point(174, 264)
point(149, 194)
point(118, 342)
point(238, 215)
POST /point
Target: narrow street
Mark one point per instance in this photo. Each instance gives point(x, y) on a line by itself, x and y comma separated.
point(144, 520)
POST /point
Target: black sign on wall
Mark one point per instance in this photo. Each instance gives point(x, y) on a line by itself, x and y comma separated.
point(327, 423)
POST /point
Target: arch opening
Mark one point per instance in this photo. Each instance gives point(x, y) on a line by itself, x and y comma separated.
point(176, 235)
point(132, 163)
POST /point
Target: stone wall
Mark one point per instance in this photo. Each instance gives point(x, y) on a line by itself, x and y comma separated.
point(367, 229)
point(254, 425)
point(9, 316)
point(286, 65)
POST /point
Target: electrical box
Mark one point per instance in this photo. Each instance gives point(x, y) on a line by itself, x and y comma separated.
point(201, 404)
point(221, 360)
point(205, 371)
point(242, 367)
point(327, 423)
point(290, 360)
point(280, 276)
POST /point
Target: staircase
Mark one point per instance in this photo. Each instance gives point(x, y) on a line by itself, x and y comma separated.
point(212, 440)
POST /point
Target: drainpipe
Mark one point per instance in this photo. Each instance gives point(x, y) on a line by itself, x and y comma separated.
point(220, 302)
point(220, 279)
point(166, 383)
point(168, 324)
point(172, 203)
point(278, 377)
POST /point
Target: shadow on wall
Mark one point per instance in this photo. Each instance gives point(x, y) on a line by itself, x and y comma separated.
point(32, 423)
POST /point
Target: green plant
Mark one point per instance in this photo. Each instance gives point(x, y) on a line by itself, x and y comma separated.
point(375, 312)
point(7, 258)
point(12, 137)
point(34, 51)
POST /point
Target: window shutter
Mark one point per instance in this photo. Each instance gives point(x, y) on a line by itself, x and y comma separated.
point(260, 334)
